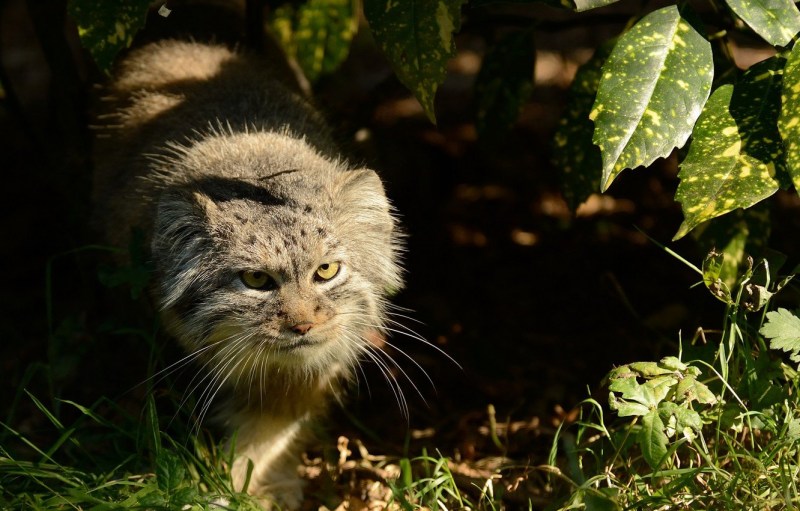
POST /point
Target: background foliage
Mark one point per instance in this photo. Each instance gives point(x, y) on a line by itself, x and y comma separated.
point(666, 87)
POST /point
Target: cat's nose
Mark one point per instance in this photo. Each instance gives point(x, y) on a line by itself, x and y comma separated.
point(302, 328)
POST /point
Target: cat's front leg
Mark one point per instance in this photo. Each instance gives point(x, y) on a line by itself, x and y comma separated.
point(273, 446)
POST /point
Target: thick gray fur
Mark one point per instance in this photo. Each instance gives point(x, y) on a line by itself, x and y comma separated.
point(227, 168)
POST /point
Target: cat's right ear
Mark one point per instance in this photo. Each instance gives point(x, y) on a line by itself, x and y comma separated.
point(180, 240)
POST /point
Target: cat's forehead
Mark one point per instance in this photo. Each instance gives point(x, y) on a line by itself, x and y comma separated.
point(279, 236)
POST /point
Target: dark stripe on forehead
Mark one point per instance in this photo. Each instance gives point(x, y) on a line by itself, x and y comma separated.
point(223, 189)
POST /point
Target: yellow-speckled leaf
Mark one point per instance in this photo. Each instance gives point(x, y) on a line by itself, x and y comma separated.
point(417, 38)
point(731, 162)
point(585, 5)
point(317, 35)
point(653, 88)
point(574, 154)
point(107, 27)
point(789, 118)
point(777, 21)
point(575, 5)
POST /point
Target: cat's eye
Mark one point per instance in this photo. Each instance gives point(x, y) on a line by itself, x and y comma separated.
point(326, 271)
point(255, 279)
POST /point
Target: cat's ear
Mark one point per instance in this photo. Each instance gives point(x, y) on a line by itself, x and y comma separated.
point(364, 216)
point(363, 200)
point(180, 234)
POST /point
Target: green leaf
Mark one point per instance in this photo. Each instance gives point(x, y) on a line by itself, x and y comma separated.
point(317, 35)
point(649, 369)
point(107, 27)
point(170, 471)
point(575, 5)
point(653, 88)
point(777, 21)
point(574, 154)
point(789, 118)
point(673, 364)
point(626, 408)
point(689, 389)
point(652, 439)
point(649, 393)
point(736, 235)
point(417, 38)
point(680, 419)
point(783, 330)
point(183, 497)
point(585, 5)
point(735, 148)
point(712, 269)
point(504, 84)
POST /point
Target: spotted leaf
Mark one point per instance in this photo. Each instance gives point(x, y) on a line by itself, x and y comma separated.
point(575, 5)
point(735, 149)
point(417, 38)
point(789, 117)
point(777, 21)
point(317, 35)
point(653, 88)
point(585, 5)
point(105, 28)
point(574, 154)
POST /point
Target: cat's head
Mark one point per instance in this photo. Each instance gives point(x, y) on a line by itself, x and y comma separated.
point(286, 271)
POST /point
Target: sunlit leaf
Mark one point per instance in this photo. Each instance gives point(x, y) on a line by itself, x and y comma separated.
point(626, 408)
point(575, 5)
point(735, 149)
point(789, 118)
point(783, 330)
point(107, 27)
point(679, 420)
point(777, 21)
point(504, 84)
point(585, 5)
point(317, 35)
point(650, 369)
point(689, 389)
point(712, 269)
point(740, 233)
point(574, 153)
point(652, 439)
point(417, 38)
point(653, 88)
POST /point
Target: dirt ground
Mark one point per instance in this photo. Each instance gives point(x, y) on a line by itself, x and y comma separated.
point(533, 303)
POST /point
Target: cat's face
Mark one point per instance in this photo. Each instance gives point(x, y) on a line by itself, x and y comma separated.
point(284, 274)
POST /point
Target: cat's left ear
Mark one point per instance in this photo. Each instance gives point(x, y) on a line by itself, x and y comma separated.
point(361, 198)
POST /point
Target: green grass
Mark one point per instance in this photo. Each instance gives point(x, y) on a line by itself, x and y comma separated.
point(715, 427)
point(732, 441)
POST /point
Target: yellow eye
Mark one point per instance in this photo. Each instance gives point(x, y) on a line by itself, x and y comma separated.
point(327, 271)
point(255, 279)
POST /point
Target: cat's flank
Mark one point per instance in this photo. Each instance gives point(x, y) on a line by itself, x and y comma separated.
point(272, 255)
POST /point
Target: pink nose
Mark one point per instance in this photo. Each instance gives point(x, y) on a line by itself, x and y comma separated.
point(302, 328)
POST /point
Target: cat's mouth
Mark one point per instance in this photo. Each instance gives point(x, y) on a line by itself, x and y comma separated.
point(289, 345)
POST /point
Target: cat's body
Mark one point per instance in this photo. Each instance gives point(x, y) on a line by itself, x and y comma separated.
point(272, 255)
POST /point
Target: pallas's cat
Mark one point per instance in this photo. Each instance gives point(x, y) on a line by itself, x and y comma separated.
point(272, 254)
